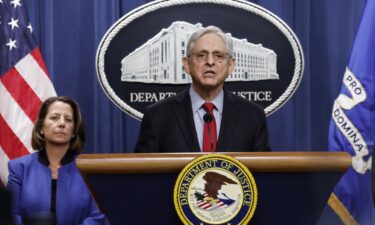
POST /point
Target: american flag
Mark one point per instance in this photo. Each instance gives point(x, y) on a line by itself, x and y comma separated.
point(24, 83)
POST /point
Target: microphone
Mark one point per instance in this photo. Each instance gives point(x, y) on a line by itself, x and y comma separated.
point(207, 118)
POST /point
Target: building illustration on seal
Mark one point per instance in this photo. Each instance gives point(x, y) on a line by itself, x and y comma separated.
point(159, 59)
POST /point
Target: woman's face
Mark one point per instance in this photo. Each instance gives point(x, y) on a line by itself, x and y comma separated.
point(58, 126)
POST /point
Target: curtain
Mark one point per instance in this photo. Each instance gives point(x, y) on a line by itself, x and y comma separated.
point(69, 32)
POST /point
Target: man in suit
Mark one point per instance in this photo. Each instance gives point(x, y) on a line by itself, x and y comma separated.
point(206, 116)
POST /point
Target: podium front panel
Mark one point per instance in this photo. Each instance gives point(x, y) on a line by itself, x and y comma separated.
point(283, 198)
point(289, 192)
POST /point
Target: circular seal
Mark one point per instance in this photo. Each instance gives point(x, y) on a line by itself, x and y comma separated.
point(139, 59)
point(215, 189)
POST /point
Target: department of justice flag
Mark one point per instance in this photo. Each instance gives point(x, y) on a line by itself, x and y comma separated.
point(352, 127)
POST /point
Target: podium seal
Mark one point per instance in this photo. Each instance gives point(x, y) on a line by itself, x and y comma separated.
point(215, 189)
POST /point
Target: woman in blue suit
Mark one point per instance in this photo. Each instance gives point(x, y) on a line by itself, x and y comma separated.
point(48, 182)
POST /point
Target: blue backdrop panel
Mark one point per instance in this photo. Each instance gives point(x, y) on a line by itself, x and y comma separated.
point(69, 32)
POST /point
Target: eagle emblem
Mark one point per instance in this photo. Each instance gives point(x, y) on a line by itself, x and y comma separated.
point(215, 189)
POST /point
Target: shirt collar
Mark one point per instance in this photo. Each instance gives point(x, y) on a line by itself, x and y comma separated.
point(68, 157)
point(197, 101)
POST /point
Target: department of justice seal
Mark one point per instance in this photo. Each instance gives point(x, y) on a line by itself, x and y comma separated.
point(139, 59)
point(215, 189)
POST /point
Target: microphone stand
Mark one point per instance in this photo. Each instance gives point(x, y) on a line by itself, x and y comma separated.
point(207, 118)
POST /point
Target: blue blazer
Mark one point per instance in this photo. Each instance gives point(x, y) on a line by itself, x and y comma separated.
point(30, 183)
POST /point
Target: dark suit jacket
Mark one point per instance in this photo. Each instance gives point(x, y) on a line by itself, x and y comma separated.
point(168, 126)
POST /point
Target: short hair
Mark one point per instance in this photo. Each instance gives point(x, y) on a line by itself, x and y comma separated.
point(227, 39)
point(78, 139)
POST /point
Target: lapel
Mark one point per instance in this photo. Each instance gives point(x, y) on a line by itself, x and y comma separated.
point(41, 178)
point(228, 121)
point(184, 116)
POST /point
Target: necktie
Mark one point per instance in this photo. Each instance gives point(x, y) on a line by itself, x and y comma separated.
point(209, 131)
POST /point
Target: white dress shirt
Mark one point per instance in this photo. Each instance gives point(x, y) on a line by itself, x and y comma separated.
point(198, 112)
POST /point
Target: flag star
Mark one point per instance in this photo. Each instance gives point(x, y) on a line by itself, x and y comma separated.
point(11, 44)
point(15, 3)
point(1, 1)
point(13, 23)
point(30, 28)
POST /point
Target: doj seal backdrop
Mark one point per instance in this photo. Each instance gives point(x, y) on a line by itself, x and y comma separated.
point(139, 58)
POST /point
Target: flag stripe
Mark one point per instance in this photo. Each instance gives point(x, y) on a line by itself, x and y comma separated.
point(39, 59)
point(39, 81)
point(3, 166)
point(9, 141)
point(27, 99)
point(204, 204)
point(15, 118)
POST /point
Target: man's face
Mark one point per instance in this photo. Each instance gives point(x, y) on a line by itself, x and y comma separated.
point(205, 65)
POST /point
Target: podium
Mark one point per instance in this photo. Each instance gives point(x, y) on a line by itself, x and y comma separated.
point(293, 187)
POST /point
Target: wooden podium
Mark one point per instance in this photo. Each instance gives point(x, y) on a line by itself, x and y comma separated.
point(293, 187)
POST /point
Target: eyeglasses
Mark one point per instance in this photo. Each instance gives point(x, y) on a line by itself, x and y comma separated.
point(203, 56)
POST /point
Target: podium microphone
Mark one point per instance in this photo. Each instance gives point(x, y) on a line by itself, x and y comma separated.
point(207, 118)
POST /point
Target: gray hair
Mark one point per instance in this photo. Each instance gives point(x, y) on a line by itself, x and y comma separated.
point(210, 30)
